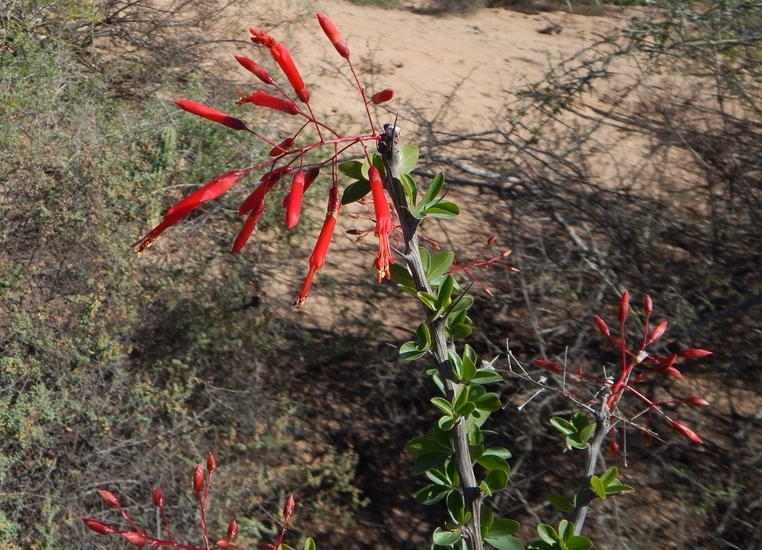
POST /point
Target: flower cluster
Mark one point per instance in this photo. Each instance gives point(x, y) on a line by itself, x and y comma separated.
point(288, 158)
point(637, 366)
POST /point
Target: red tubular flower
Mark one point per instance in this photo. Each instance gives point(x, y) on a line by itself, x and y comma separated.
point(248, 226)
point(263, 99)
point(317, 259)
point(198, 479)
point(613, 449)
point(689, 434)
point(99, 527)
point(208, 192)
point(174, 215)
point(294, 200)
point(309, 177)
point(383, 224)
point(208, 113)
point(698, 402)
point(136, 539)
point(383, 96)
point(333, 35)
point(251, 66)
point(648, 305)
point(109, 498)
point(282, 57)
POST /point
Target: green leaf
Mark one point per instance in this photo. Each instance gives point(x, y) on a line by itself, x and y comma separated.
point(455, 507)
point(587, 432)
point(467, 369)
point(542, 545)
point(561, 502)
point(425, 446)
point(598, 488)
point(442, 404)
point(490, 402)
point(446, 538)
point(425, 259)
point(410, 351)
point(428, 461)
point(446, 423)
point(504, 528)
point(565, 529)
point(485, 376)
point(309, 544)
point(459, 332)
point(468, 352)
point(411, 191)
point(547, 533)
point(444, 294)
point(401, 275)
point(496, 480)
point(428, 299)
point(491, 462)
point(433, 191)
point(355, 191)
point(609, 477)
point(577, 542)
point(617, 488)
point(563, 426)
point(430, 494)
point(487, 519)
point(499, 452)
point(285, 547)
point(353, 169)
point(444, 210)
point(462, 302)
point(580, 421)
point(465, 409)
point(440, 263)
point(504, 543)
point(408, 158)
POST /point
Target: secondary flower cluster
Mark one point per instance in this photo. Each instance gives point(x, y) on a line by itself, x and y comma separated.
point(636, 366)
point(287, 158)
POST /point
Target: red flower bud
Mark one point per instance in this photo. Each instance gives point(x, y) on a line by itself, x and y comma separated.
point(282, 57)
point(233, 530)
point(210, 191)
point(689, 434)
point(198, 479)
point(109, 498)
point(267, 546)
point(548, 365)
point(282, 147)
point(665, 363)
point(333, 35)
point(223, 544)
point(647, 437)
point(698, 402)
point(383, 96)
point(657, 333)
point(158, 497)
point(267, 182)
point(602, 327)
point(208, 113)
point(251, 66)
point(648, 306)
point(624, 307)
point(694, 353)
point(211, 463)
point(99, 527)
point(135, 539)
point(310, 176)
point(262, 99)
point(672, 371)
point(613, 449)
point(288, 509)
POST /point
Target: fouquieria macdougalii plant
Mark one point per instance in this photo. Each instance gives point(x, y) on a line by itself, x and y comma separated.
point(462, 469)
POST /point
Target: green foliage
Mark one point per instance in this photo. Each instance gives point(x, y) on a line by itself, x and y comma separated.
point(577, 430)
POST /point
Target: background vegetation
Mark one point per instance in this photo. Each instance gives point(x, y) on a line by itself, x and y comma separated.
point(122, 373)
